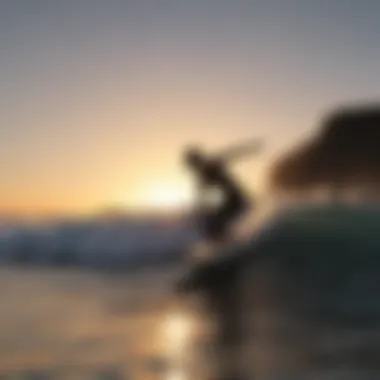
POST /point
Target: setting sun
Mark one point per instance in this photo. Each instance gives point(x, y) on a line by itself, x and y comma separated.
point(165, 196)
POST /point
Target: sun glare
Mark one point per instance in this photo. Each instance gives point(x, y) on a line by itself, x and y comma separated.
point(166, 196)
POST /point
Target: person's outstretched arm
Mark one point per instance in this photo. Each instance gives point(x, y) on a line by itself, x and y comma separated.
point(236, 152)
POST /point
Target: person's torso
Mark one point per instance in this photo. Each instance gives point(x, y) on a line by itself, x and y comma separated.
point(215, 175)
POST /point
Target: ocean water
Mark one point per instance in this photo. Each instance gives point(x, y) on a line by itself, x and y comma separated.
point(85, 325)
point(75, 324)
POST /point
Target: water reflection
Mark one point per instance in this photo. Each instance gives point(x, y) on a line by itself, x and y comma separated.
point(177, 331)
point(175, 374)
point(188, 333)
point(177, 328)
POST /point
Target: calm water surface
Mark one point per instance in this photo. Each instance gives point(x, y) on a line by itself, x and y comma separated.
point(81, 325)
point(75, 325)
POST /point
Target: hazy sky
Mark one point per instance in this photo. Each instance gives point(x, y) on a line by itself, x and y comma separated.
point(97, 98)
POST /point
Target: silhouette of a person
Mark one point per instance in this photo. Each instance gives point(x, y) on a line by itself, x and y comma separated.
point(215, 224)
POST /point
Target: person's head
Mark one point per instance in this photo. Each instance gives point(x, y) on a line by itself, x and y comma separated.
point(194, 157)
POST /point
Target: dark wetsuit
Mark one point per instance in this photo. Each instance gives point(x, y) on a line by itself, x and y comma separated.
point(215, 224)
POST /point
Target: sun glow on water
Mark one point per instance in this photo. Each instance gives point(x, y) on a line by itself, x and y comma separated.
point(177, 330)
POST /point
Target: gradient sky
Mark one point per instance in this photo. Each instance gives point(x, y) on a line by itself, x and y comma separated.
point(97, 98)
